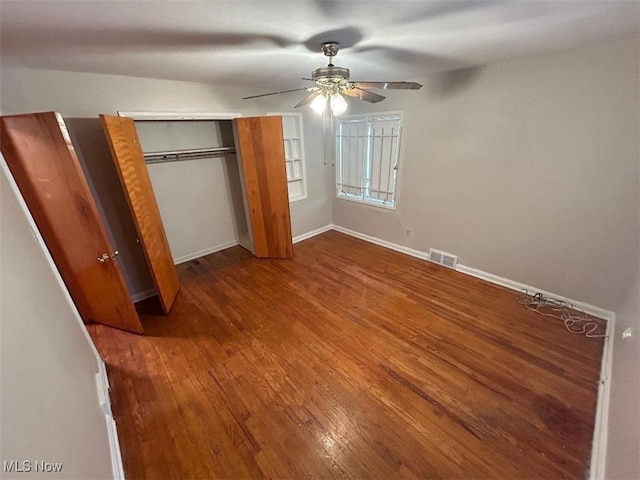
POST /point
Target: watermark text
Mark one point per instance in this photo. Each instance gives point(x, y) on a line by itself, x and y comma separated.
point(27, 466)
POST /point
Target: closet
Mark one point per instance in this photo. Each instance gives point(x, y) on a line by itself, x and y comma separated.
point(196, 179)
point(42, 159)
point(219, 182)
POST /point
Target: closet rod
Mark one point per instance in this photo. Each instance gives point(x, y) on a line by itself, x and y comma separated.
point(178, 155)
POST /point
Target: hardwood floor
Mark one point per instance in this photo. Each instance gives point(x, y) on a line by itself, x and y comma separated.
point(349, 361)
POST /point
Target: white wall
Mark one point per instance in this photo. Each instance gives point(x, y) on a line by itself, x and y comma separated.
point(80, 97)
point(529, 169)
point(50, 409)
point(526, 169)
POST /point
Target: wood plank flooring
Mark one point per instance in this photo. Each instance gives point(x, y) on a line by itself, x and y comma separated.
point(349, 361)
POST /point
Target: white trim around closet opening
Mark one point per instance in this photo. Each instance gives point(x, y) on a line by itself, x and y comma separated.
point(178, 115)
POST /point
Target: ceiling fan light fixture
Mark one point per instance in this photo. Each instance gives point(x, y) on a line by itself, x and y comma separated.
point(319, 103)
point(331, 83)
point(338, 104)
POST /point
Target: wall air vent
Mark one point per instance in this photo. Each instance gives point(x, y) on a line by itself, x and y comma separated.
point(443, 258)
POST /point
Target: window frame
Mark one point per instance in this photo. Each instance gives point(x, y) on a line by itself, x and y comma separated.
point(303, 163)
point(368, 119)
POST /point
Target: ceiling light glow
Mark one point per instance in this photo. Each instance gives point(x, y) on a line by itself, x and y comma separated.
point(338, 104)
point(319, 103)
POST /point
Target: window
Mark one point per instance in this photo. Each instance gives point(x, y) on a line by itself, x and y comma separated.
point(367, 158)
point(294, 155)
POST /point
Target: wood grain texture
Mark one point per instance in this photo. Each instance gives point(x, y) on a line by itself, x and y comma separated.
point(43, 162)
point(260, 149)
point(350, 361)
point(123, 141)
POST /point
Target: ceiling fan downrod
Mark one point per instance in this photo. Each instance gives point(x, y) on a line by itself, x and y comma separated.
point(330, 49)
point(331, 75)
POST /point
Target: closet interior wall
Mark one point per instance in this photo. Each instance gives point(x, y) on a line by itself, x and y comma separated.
point(200, 200)
point(93, 153)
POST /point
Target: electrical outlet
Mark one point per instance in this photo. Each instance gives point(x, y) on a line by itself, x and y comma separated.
point(627, 333)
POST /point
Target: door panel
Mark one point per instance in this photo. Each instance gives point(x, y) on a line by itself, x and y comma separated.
point(43, 162)
point(127, 154)
point(260, 150)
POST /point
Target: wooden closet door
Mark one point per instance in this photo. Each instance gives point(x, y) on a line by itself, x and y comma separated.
point(260, 150)
point(42, 160)
point(127, 154)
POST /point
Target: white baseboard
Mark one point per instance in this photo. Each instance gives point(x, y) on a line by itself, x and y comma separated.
point(143, 295)
point(600, 429)
point(217, 248)
point(489, 277)
point(114, 446)
point(246, 245)
point(102, 387)
point(600, 432)
point(383, 243)
point(601, 424)
point(190, 256)
point(206, 251)
point(104, 400)
point(513, 285)
point(312, 233)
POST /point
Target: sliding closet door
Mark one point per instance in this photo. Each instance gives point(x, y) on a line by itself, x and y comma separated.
point(126, 151)
point(42, 160)
point(260, 151)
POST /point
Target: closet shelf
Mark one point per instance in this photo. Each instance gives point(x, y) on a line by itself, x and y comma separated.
point(179, 155)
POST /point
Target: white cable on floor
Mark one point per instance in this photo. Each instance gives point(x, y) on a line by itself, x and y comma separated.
point(574, 320)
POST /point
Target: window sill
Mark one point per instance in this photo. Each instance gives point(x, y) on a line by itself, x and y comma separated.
point(368, 204)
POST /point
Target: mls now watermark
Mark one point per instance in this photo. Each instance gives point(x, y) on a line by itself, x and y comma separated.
point(26, 466)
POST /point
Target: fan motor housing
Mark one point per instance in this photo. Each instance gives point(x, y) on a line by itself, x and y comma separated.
point(326, 73)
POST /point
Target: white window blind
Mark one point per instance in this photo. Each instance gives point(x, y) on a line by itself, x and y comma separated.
point(367, 151)
point(294, 155)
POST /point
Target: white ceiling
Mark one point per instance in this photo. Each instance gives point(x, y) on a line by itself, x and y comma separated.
point(272, 44)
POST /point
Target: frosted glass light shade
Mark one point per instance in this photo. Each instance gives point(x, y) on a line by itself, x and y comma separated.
point(319, 103)
point(338, 104)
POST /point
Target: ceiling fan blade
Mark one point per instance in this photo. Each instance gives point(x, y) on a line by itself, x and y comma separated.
point(308, 99)
point(390, 85)
point(365, 95)
point(276, 93)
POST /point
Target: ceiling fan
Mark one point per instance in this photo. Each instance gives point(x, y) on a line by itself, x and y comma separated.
point(332, 82)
